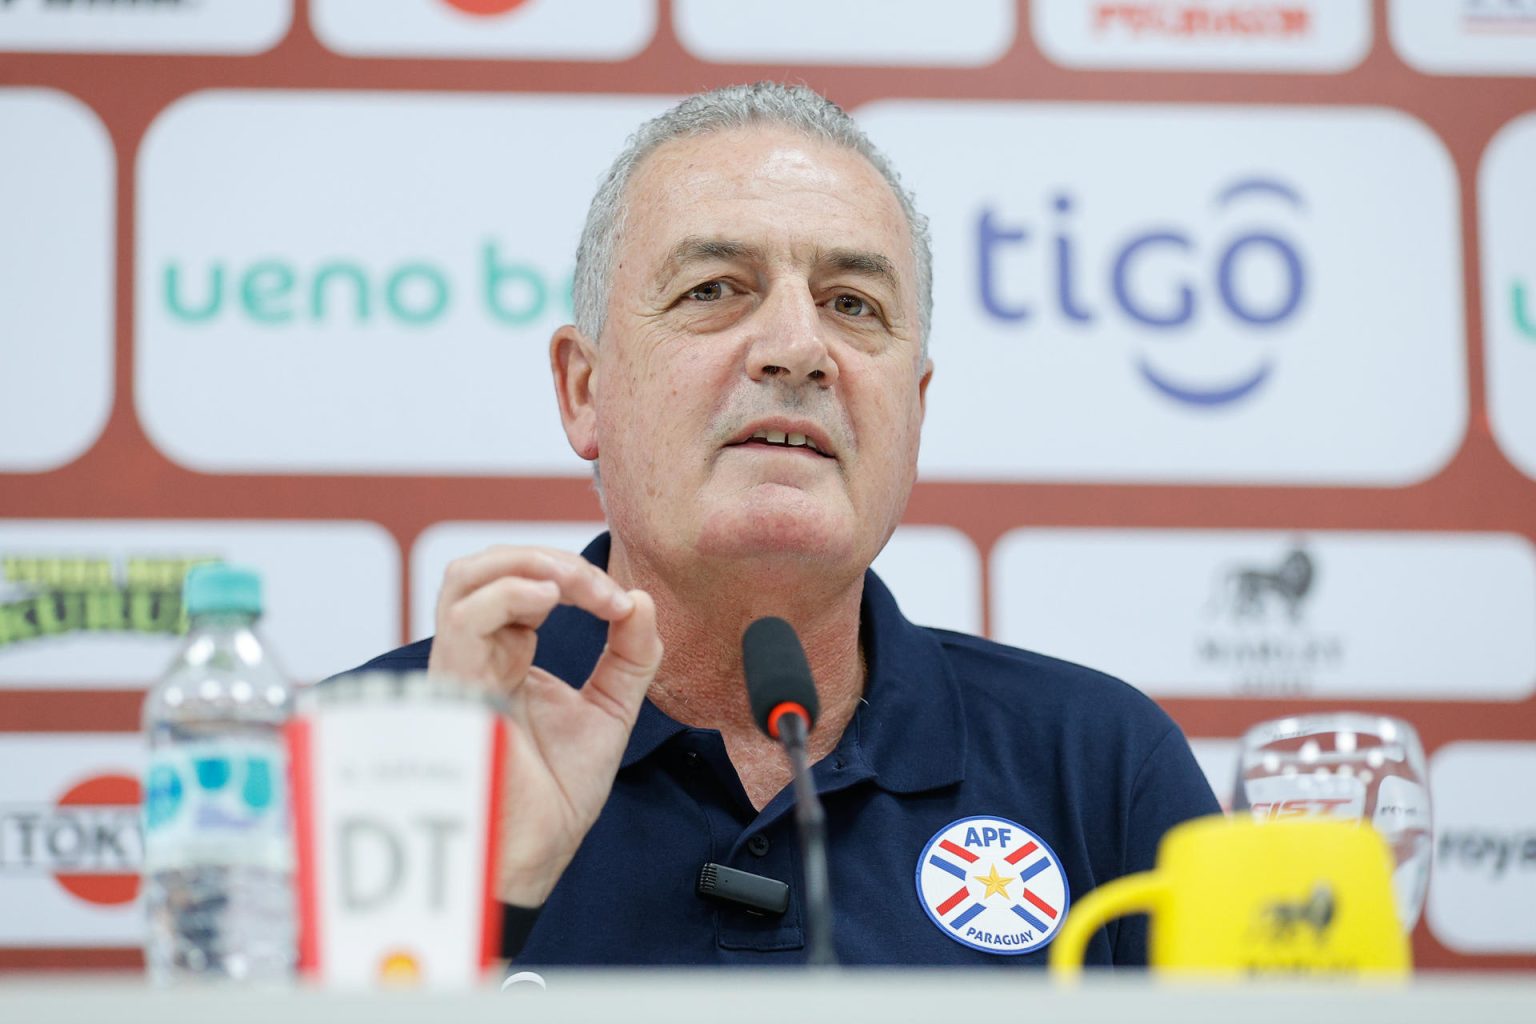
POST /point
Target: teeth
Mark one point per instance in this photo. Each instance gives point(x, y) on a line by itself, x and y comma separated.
point(780, 437)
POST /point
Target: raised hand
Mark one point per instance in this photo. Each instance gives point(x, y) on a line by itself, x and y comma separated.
point(563, 744)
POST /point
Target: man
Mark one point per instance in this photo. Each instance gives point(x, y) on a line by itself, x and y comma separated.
point(749, 363)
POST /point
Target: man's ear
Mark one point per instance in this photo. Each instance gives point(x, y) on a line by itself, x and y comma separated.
point(922, 387)
point(573, 362)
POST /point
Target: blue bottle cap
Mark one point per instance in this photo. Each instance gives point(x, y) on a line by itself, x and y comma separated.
point(215, 587)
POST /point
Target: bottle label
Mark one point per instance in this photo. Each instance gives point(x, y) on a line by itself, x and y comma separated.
point(217, 803)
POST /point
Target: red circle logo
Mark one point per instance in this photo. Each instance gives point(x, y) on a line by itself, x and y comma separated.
point(486, 7)
point(105, 791)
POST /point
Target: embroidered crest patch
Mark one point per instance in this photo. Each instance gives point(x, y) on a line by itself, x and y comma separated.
point(992, 884)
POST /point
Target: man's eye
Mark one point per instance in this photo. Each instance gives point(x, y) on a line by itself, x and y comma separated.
point(851, 305)
point(709, 291)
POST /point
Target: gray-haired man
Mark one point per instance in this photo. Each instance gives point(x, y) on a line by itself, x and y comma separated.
point(750, 364)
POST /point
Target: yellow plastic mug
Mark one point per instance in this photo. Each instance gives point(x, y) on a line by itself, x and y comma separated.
point(1234, 896)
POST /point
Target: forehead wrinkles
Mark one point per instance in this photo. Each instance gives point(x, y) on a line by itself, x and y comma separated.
point(768, 166)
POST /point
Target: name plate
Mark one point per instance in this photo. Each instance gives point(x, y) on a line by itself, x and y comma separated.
point(396, 798)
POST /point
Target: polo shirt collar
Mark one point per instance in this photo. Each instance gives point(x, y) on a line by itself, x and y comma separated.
point(908, 734)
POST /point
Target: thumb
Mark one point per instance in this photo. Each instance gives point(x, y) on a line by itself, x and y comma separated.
point(629, 661)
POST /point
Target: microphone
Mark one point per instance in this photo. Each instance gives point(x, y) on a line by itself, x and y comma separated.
point(783, 699)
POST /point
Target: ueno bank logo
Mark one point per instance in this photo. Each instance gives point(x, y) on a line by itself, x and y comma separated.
point(90, 840)
point(1254, 278)
point(444, 308)
point(348, 291)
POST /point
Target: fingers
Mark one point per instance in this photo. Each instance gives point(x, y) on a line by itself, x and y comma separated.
point(508, 601)
point(580, 583)
point(628, 663)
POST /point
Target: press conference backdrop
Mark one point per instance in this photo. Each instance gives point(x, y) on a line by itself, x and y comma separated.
point(1235, 330)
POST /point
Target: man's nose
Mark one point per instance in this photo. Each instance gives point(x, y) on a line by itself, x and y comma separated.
point(787, 342)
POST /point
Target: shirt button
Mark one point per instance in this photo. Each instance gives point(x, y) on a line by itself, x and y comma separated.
point(691, 759)
point(758, 845)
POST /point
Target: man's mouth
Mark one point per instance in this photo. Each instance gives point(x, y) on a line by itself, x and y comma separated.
point(778, 437)
point(771, 438)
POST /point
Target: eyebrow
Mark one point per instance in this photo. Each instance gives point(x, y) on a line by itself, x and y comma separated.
point(704, 249)
point(861, 262)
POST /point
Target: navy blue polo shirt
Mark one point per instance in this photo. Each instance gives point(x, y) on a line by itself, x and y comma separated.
point(952, 727)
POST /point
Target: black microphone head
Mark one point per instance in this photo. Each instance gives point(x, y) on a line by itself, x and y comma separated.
point(777, 673)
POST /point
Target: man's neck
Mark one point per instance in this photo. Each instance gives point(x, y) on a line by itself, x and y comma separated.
point(701, 684)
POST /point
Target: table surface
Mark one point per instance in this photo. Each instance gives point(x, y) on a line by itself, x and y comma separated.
point(793, 997)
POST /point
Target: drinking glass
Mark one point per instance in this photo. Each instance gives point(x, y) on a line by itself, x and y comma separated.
point(1346, 765)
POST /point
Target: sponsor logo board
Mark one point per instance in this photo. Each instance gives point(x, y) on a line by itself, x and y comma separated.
point(144, 26)
point(1465, 37)
point(1482, 891)
point(400, 326)
point(1234, 310)
point(1205, 35)
point(878, 32)
point(98, 603)
point(1326, 615)
point(71, 841)
point(56, 259)
point(1507, 211)
point(934, 571)
point(598, 30)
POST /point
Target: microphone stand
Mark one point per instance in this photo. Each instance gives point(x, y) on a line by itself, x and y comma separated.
point(813, 844)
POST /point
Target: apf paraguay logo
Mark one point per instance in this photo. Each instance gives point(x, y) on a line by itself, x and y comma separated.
point(992, 884)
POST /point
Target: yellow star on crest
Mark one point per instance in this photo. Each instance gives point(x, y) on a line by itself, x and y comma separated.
point(994, 882)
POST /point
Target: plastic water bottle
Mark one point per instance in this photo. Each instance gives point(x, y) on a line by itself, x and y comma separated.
point(218, 837)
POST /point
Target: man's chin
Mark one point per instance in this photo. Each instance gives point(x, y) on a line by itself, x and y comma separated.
point(791, 524)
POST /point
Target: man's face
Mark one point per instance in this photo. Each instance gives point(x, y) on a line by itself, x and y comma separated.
point(764, 294)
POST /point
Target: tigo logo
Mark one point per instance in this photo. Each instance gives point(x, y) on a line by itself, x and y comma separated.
point(1507, 210)
point(1229, 35)
point(1258, 280)
point(532, 29)
point(1199, 318)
